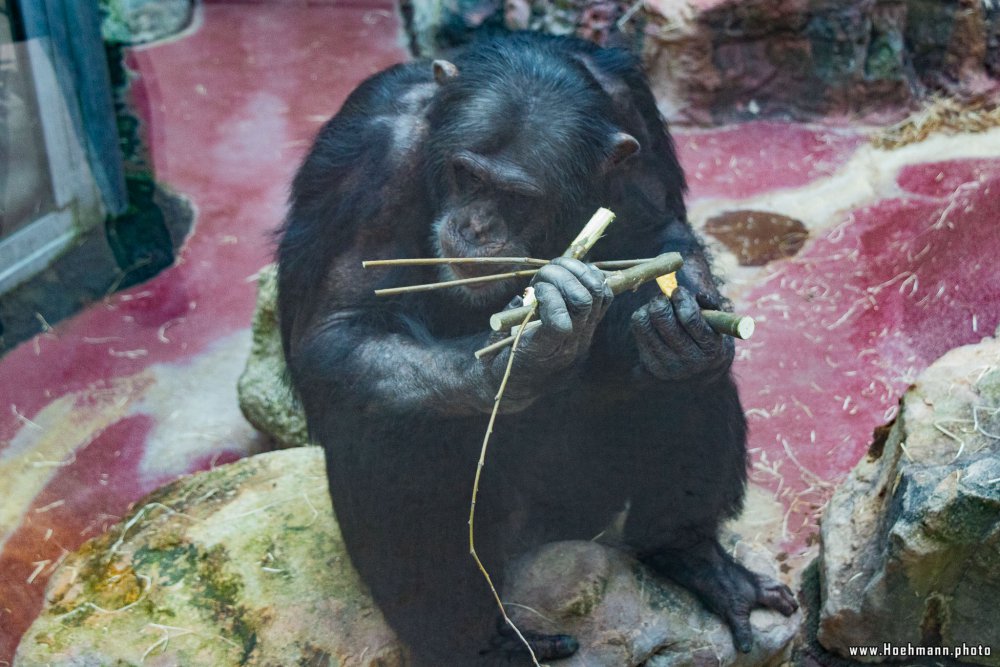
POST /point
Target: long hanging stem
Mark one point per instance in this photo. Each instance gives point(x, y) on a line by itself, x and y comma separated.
point(475, 488)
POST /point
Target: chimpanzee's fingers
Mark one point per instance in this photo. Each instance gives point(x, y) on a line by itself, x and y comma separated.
point(589, 276)
point(594, 281)
point(577, 298)
point(739, 625)
point(552, 309)
point(709, 301)
point(667, 325)
point(688, 315)
point(652, 355)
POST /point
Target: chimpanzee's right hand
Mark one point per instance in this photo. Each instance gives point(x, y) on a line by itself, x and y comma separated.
point(572, 299)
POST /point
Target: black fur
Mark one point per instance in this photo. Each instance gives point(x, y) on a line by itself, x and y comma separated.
point(617, 402)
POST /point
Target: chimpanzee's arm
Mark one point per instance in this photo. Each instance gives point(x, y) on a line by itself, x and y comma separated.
point(380, 361)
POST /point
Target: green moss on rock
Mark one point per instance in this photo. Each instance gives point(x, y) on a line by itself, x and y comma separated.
point(265, 397)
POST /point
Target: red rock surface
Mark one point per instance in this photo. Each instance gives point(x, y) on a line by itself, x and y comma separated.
point(140, 388)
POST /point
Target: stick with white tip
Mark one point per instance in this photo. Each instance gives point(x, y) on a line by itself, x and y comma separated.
point(737, 326)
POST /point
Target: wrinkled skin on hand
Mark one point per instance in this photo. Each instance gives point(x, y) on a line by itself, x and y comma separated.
point(572, 300)
point(676, 343)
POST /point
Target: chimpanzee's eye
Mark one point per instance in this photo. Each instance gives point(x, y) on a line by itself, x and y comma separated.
point(467, 180)
point(516, 204)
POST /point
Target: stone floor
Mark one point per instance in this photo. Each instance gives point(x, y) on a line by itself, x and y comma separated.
point(898, 267)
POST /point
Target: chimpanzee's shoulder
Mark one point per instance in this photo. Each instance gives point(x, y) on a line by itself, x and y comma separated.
point(385, 90)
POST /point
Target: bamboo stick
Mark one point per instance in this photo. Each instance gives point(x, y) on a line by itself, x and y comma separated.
point(730, 324)
point(619, 282)
point(611, 265)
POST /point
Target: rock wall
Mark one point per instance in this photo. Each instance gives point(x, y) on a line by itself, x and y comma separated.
point(722, 60)
point(716, 60)
point(911, 540)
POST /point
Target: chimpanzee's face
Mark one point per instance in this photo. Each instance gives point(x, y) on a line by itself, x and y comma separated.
point(516, 173)
point(492, 207)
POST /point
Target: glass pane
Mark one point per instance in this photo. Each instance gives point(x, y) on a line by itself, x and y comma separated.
point(25, 184)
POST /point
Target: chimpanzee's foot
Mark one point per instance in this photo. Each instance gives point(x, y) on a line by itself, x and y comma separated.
point(724, 586)
point(545, 647)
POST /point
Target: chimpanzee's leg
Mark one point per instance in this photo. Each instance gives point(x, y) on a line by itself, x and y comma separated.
point(690, 451)
point(405, 526)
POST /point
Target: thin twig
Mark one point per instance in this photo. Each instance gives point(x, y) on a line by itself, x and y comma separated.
point(390, 291)
point(607, 264)
point(509, 340)
point(430, 261)
point(475, 487)
point(583, 242)
point(611, 265)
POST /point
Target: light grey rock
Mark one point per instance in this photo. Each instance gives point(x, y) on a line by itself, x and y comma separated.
point(911, 540)
point(265, 396)
point(244, 564)
point(140, 21)
point(624, 616)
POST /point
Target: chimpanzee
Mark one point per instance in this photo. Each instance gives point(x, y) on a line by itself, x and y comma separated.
point(614, 401)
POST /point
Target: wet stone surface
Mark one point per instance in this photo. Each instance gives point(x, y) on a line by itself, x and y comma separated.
point(758, 237)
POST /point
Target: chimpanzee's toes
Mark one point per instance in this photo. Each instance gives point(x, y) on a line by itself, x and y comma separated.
point(737, 617)
point(775, 595)
point(769, 593)
point(545, 647)
point(724, 586)
point(553, 647)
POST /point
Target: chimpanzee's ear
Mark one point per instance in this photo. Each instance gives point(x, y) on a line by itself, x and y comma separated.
point(623, 146)
point(444, 70)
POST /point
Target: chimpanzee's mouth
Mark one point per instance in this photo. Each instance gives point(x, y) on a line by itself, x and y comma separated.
point(485, 291)
point(463, 271)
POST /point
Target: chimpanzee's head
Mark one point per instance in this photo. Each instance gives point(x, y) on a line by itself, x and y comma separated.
point(519, 150)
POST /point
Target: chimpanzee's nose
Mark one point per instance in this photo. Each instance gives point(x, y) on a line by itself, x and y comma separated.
point(475, 229)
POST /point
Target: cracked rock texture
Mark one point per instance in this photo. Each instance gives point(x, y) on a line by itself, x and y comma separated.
point(911, 540)
point(732, 59)
point(238, 565)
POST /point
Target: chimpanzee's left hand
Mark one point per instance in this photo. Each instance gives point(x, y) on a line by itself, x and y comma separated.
point(676, 343)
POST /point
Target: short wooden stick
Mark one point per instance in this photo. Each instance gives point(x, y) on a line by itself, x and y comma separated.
point(590, 233)
point(619, 282)
point(737, 326)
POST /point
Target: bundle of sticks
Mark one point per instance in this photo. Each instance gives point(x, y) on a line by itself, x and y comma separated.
point(621, 275)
